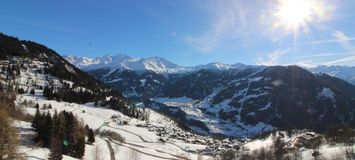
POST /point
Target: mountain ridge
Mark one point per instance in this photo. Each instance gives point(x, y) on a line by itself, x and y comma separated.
point(156, 64)
point(160, 65)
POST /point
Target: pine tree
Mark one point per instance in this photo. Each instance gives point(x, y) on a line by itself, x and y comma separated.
point(56, 140)
point(79, 147)
point(56, 148)
point(44, 106)
point(21, 91)
point(63, 134)
point(91, 136)
point(48, 130)
point(37, 106)
point(78, 144)
point(40, 127)
point(32, 91)
point(36, 118)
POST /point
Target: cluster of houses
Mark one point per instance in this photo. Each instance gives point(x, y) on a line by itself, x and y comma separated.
point(213, 146)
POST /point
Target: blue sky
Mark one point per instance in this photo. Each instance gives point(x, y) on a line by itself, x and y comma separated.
point(187, 32)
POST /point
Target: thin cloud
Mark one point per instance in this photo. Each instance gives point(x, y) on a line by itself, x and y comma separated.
point(343, 40)
point(346, 60)
point(339, 37)
point(272, 58)
point(306, 64)
point(321, 55)
point(329, 41)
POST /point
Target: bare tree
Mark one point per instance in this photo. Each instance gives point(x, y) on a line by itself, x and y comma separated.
point(8, 137)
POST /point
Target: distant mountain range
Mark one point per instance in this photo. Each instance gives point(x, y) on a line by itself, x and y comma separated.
point(231, 100)
point(158, 65)
point(343, 72)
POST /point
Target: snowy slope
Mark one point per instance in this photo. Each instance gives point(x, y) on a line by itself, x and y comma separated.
point(140, 136)
point(298, 145)
point(143, 138)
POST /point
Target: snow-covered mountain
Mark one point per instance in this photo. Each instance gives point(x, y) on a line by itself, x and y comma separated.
point(124, 62)
point(139, 78)
point(155, 64)
point(119, 62)
point(240, 102)
point(346, 73)
point(221, 66)
point(247, 102)
point(104, 61)
point(221, 99)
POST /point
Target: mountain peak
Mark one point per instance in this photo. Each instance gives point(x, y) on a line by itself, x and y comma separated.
point(121, 61)
point(156, 64)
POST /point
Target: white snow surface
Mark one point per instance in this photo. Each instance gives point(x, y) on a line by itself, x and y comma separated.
point(327, 93)
point(326, 151)
point(144, 143)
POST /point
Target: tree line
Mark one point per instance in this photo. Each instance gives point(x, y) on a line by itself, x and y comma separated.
point(68, 94)
point(63, 133)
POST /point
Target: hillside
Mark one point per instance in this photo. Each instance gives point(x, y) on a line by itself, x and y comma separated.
point(37, 78)
point(241, 102)
point(247, 102)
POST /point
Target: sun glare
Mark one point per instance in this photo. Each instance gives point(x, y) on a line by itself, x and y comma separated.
point(296, 15)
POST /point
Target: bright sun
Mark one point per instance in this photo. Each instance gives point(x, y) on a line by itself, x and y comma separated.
point(296, 15)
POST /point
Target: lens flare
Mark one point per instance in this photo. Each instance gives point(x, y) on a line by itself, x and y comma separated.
point(296, 15)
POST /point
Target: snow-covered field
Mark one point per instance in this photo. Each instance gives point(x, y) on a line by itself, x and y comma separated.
point(326, 151)
point(141, 143)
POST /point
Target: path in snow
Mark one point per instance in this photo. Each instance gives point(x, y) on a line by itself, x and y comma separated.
point(149, 154)
point(112, 152)
point(128, 145)
point(139, 136)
